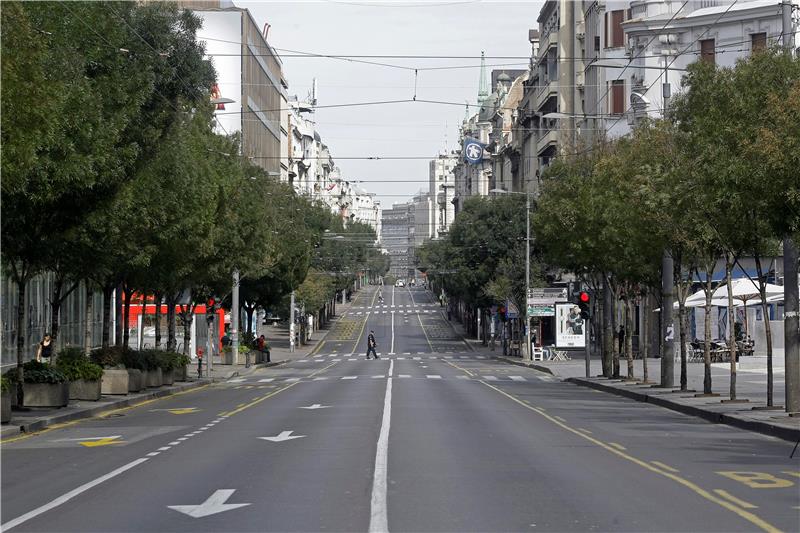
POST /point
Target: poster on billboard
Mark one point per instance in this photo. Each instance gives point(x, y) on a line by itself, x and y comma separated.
point(570, 327)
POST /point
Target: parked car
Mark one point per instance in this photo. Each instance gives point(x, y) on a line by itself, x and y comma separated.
point(400, 283)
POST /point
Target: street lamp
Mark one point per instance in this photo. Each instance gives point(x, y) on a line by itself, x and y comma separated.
point(527, 352)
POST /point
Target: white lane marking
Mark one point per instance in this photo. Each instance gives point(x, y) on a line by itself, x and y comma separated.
point(378, 520)
point(283, 436)
point(417, 358)
point(391, 349)
point(322, 378)
point(517, 378)
point(174, 443)
point(378, 376)
point(213, 505)
point(182, 438)
point(391, 368)
point(406, 353)
point(401, 358)
point(266, 380)
point(481, 357)
point(164, 448)
point(433, 376)
point(153, 454)
point(315, 407)
point(291, 380)
point(490, 378)
point(236, 380)
point(403, 375)
point(69, 495)
point(349, 377)
point(462, 377)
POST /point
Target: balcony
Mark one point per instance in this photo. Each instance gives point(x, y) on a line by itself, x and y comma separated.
point(546, 139)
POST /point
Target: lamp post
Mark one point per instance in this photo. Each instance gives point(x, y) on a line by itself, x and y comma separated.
point(527, 352)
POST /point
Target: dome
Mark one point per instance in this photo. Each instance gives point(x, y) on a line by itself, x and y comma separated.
point(503, 77)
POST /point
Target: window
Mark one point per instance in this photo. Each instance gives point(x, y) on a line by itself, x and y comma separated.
point(758, 42)
point(615, 36)
point(596, 43)
point(617, 97)
point(707, 51)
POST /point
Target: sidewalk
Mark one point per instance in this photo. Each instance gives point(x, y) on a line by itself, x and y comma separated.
point(748, 412)
point(35, 419)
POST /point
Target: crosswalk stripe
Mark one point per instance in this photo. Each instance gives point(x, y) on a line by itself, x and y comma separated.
point(401, 358)
point(462, 377)
point(266, 380)
point(489, 378)
point(321, 378)
point(349, 377)
point(403, 375)
point(290, 380)
point(433, 376)
point(236, 380)
point(517, 378)
point(378, 376)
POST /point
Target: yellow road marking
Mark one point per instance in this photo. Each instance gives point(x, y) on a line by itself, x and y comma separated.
point(419, 317)
point(664, 466)
point(459, 368)
point(316, 349)
point(100, 442)
point(584, 430)
point(750, 517)
point(791, 473)
point(741, 503)
point(183, 411)
point(757, 480)
point(617, 445)
point(104, 414)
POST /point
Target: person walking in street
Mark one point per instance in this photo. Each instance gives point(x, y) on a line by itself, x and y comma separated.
point(371, 344)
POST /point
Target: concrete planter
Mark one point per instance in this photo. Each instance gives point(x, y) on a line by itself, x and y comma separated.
point(114, 381)
point(181, 373)
point(154, 378)
point(168, 377)
point(82, 389)
point(5, 412)
point(136, 380)
point(45, 394)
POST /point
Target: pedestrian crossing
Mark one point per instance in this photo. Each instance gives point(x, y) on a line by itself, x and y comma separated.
point(253, 382)
point(401, 356)
point(389, 311)
point(396, 306)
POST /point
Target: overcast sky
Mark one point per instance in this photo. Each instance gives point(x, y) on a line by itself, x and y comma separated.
point(359, 27)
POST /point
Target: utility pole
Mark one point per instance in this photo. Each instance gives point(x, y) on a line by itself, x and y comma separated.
point(667, 282)
point(235, 318)
point(791, 321)
point(291, 323)
point(527, 352)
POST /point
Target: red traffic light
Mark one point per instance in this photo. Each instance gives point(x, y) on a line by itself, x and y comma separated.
point(210, 302)
point(584, 297)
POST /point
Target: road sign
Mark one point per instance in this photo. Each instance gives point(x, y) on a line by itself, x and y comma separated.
point(473, 151)
point(511, 310)
point(546, 296)
point(541, 310)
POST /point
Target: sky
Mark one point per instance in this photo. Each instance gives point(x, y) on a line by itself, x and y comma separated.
point(415, 28)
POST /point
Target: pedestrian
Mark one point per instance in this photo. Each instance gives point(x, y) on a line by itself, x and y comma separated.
point(621, 338)
point(263, 347)
point(371, 344)
point(45, 349)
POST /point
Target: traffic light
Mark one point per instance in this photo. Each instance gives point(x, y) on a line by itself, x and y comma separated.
point(211, 309)
point(585, 303)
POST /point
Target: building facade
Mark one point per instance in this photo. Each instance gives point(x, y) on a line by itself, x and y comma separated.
point(397, 238)
point(442, 193)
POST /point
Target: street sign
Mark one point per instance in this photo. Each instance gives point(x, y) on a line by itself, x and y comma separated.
point(511, 310)
point(473, 151)
point(541, 310)
point(547, 296)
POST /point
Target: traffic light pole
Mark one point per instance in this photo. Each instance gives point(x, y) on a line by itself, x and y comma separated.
point(588, 349)
point(527, 352)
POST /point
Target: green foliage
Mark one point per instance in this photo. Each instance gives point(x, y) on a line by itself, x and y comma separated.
point(75, 364)
point(111, 357)
point(36, 372)
point(6, 382)
point(137, 359)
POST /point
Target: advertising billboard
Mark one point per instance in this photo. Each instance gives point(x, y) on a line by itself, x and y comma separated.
point(570, 327)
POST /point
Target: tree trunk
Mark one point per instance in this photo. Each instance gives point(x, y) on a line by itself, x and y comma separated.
point(172, 341)
point(644, 345)
point(187, 314)
point(707, 336)
point(157, 317)
point(731, 323)
point(614, 343)
point(683, 321)
point(608, 331)
point(762, 289)
point(108, 291)
point(127, 292)
point(55, 308)
point(89, 326)
point(120, 325)
point(22, 282)
point(629, 308)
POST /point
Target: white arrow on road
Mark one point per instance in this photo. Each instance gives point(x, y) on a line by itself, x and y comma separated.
point(285, 435)
point(213, 505)
point(316, 406)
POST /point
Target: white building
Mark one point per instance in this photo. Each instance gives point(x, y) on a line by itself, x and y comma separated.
point(441, 193)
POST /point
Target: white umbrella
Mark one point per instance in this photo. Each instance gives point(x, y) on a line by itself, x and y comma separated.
point(746, 291)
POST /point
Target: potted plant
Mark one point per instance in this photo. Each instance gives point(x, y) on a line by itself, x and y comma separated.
point(167, 362)
point(152, 364)
point(115, 379)
point(182, 363)
point(44, 386)
point(5, 400)
point(136, 366)
point(84, 376)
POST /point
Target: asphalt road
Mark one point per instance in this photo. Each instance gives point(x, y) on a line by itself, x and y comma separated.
point(432, 437)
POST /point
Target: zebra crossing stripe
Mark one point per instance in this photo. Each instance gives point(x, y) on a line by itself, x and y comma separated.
point(433, 376)
point(517, 378)
point(489, 378)
point(266, 380)
point(349, 377)
point(403, 375)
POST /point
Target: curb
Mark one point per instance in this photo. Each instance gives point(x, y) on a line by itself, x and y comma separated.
point(92, 411)
point(540, 368)
point(765, 428)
